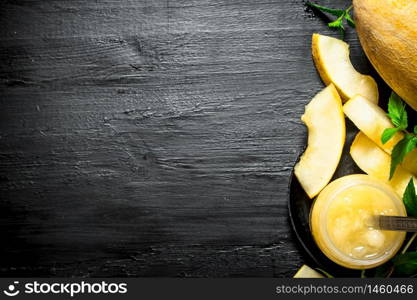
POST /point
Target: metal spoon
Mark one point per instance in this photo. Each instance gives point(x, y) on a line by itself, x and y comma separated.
point(394, 223)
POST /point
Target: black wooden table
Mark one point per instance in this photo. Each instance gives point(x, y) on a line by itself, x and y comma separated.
point(153, 138)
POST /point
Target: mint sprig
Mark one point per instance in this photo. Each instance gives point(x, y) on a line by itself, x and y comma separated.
point(399, 118)
point(341, 14)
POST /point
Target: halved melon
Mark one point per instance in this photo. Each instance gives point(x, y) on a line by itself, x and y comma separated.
point(326, 135)
point(387, 30)
point(372, 121)
point(331, 57)
point(375, 162)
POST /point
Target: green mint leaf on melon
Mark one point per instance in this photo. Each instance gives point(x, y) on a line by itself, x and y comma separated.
point(410, 199)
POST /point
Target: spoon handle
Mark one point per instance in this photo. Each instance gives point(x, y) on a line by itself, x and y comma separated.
point(396, 223)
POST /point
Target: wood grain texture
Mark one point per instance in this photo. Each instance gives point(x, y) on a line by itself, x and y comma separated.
point(153, 138)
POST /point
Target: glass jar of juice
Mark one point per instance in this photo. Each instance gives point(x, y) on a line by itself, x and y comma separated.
point(340, 221)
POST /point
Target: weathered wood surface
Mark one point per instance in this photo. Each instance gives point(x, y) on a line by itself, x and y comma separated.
point(152, 138)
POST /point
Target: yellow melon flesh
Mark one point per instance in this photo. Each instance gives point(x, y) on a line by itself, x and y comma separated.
point(331, 57)
point(372, 121)
point(387, 30)
point(326, 135)
point(307, 272)
point(375, 162)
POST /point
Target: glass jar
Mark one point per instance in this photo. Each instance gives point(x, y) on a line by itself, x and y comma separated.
point(340, 221)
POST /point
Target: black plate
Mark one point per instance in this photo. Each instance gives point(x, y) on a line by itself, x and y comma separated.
point(299, 205)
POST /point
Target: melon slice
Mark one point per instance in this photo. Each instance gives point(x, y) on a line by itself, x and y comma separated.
point(307, 272)
point(331, 57)
point(372, 121)
point(375, 162)
point(326, 135)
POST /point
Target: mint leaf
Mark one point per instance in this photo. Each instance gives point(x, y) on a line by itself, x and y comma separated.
point(349, 20)
point(388, 134)
point(412, 144)
point(337, 23)
point(400, 150)
point(398, 116)
point(397, 112)
point(406, 264)
point(334, 12)
point(410, 199)
point(341, 14)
